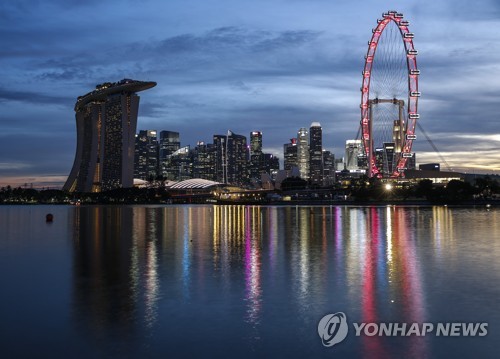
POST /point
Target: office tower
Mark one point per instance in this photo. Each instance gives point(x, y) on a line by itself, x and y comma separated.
point(385, 158)
point(353, 152)
point(339, 164)
point(146, 155)
point(255, 143)
point(169, 143)
point(411, 163)
point(303, 153)
point(204, 161)
point(389, 163)
point(316, 154)
point(290, 154)
point(106, 121)
point(271, 164)
point(231, 158)
point(180, 165)
point(398, 135)
point(256, 164)
point(328, 168)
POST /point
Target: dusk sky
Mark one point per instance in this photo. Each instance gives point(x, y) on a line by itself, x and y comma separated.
point(273, 66)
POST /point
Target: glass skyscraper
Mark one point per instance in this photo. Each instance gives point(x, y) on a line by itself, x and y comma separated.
point(231, 157)
point(146, 155)
point(316, 153)
point(290, 154)
point(303, 153)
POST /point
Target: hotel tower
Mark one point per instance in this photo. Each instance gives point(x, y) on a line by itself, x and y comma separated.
point(106, 122)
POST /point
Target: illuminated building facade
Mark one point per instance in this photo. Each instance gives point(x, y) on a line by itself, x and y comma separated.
point(316, 153)
point(231, 157)
point(256, 165)
point(181, 165)
point(353, 152)
point(255, 142)
point(146, 155)
point(204, 161)
point(106, 121)
point(303, 153)
point(290, 154)
point(385, 158)
point(328, 168)
point(169, 143)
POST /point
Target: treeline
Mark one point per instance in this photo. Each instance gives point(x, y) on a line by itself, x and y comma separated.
point(455, 191)
point(21, 195)
point(361, 190)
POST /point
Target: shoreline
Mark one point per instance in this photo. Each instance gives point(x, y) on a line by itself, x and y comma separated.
point(305, 203)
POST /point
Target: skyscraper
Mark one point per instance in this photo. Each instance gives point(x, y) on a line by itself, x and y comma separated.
point(290, 154)
point(303, 153)
point(106, 121)
point(231, 158)
point(204, 161)
point(316, 153)
point(255, 143)
point(256, 165)
point(180, 164)
point(169, 143)
point(353, 150)
point(146, 155)
point(328, 168)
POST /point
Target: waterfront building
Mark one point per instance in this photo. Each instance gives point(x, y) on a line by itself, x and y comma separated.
point(180, 165)
point(204, 161)
point(256, 164)
point(303, 153)
point(231, 158)
point(290, 154)
point(385, 158)
point(353, 152)
point(340, 164)
point(316, 154)
point(146, 155)
point(106, 122)
point(255, 143)
point(328, 168)
point(169, 143)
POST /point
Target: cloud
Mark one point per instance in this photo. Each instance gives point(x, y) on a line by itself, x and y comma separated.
point(13, 165)
point(32, 97)
point(273, 65)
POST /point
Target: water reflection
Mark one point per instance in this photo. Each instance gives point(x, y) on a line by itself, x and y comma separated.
point(115, 266)
point(102, 262)
point(137, 268)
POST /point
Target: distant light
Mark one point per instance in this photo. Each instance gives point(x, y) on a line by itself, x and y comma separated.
point(388, 186)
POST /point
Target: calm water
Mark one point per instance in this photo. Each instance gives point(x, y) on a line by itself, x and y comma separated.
point(243, 281)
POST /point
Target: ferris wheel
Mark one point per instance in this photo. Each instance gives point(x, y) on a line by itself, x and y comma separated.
point(389, 97)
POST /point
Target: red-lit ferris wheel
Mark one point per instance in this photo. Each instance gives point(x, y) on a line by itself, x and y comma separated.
point(389, 97)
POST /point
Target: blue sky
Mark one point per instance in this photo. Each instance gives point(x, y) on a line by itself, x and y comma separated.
point(274, 66)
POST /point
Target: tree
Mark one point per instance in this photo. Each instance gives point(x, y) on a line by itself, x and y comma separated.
point(293, 184)
point(425, 189)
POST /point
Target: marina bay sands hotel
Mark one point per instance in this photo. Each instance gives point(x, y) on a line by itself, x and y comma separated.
point(106, 123)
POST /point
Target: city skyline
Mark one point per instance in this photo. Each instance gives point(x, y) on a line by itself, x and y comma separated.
point(277, 65)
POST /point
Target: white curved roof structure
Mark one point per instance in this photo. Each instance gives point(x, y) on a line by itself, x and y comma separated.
point(194, 183)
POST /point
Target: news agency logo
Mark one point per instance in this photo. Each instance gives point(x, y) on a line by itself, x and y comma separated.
point(332, 328)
